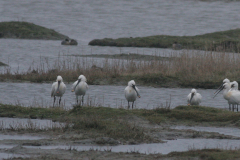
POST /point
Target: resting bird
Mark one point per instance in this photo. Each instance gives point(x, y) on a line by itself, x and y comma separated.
point(194, 98)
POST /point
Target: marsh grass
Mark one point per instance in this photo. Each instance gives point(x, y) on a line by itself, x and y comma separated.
point(118, 123)
point(208, 154)
point(188, 69)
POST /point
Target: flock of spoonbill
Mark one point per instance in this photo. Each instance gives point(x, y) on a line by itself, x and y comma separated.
point(80, 87)
point(230, 93)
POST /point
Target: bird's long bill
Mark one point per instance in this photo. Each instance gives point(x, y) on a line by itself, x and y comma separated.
point(191, 97)
point(219, 90)
point(136, 91)
point(76, 85)
point(58, 86)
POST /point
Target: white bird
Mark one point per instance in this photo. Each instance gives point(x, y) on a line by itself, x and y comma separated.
point(80, 87)
point(194, 98)
point(58, 89)
point(131, 92)
point(232, 86)
point(224, 81)
point(231, 95)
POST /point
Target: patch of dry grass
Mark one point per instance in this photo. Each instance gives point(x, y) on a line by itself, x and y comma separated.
point(200, 70)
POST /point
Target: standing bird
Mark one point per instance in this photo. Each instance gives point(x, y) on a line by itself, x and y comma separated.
point(231, 95)
point(231, 86)
point(194, 98)
point(131, 92)
point(224, 81)
point(80, 87)
point(58, 89)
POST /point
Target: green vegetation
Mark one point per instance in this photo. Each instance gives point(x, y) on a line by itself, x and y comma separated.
point(3, 64)
point(219, 41)
point(125, 56)
point(207, 154)
point(26, 30)
point(192, 115)
point(115, 122)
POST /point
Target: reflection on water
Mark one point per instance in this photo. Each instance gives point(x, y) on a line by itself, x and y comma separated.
point(178, 145)
point(36, 94)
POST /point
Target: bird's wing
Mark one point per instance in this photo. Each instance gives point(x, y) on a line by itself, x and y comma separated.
point(199, 97)
point(235, 97)
point(64, 87)
point(53, 89)
point(125, 91)
point(74, 84)
point(188, 97)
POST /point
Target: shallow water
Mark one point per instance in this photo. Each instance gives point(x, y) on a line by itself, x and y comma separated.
point(87, 20)
point(35, 94)
point(178, 145)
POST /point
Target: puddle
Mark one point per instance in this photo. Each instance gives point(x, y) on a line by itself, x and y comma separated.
point(222, 130)
point(178, 145)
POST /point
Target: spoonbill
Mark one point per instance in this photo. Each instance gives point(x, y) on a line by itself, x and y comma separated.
point(131, 92)
point(80, 87)
point(58, 89)
point(231, 95)
point(234, 86)
point(194, 98)
point(226, 80)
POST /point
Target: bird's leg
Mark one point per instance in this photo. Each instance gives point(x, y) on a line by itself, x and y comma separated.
point(132, 104)
point(237, 107)
point(229, 107)
point(59, 101)
point(77, 99)
point(54, 99)
point(82, 100)
point(128, 105)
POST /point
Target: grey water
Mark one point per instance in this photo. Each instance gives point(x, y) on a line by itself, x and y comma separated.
point(178, 145)
point(87, 20)
point(35, 94)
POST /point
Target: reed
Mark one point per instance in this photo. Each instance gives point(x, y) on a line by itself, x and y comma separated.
point(188, 68)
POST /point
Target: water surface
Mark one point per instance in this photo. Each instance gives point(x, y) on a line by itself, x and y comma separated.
point(35, 94)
